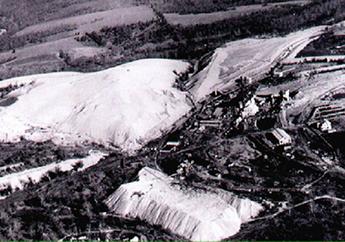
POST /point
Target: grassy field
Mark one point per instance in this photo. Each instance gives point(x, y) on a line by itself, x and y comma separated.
point(20, 14)
point(36, 58)
point(95, 21)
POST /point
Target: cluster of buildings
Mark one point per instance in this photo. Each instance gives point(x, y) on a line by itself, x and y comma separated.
point(322, 116)
point(325, 126)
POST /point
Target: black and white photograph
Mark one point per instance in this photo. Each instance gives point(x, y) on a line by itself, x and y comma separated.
point(172, 120)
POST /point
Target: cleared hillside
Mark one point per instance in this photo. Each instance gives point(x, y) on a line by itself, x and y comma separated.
point(94, 35)
point(20, 14)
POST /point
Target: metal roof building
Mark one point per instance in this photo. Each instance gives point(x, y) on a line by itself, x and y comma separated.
point(281, 137)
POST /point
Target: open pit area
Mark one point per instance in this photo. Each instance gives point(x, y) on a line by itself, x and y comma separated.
point(262, 140)
point(230, 126)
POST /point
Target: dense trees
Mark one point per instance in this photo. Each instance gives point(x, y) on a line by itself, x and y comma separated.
point(327, 44)
point(28, 154)
point(65, 204)
point(196, 6)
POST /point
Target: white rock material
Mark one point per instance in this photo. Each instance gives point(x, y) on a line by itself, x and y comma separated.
point(125, 106)
point(194, 214)
point(254, 58)
point(18, 179)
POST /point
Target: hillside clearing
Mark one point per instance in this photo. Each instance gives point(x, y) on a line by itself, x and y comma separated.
point(95, 21)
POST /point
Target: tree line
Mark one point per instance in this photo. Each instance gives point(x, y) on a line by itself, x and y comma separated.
point(197, 6)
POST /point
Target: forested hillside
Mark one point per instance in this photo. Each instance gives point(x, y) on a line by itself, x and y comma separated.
point(15, 15)
point(145, 37)
point(158, 38)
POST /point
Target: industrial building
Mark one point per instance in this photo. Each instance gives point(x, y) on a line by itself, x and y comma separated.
point(281, 137)
point(325, 126)
point(210, 123)
point(170, 146)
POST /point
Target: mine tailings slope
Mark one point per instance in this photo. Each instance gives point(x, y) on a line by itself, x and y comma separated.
point(124, 107)
point(254, 58)
point(131, 104)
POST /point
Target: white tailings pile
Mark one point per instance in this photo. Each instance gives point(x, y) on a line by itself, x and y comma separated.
point(125, 106)
point(19, 179)
point(251, 58)
point(195, 214)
